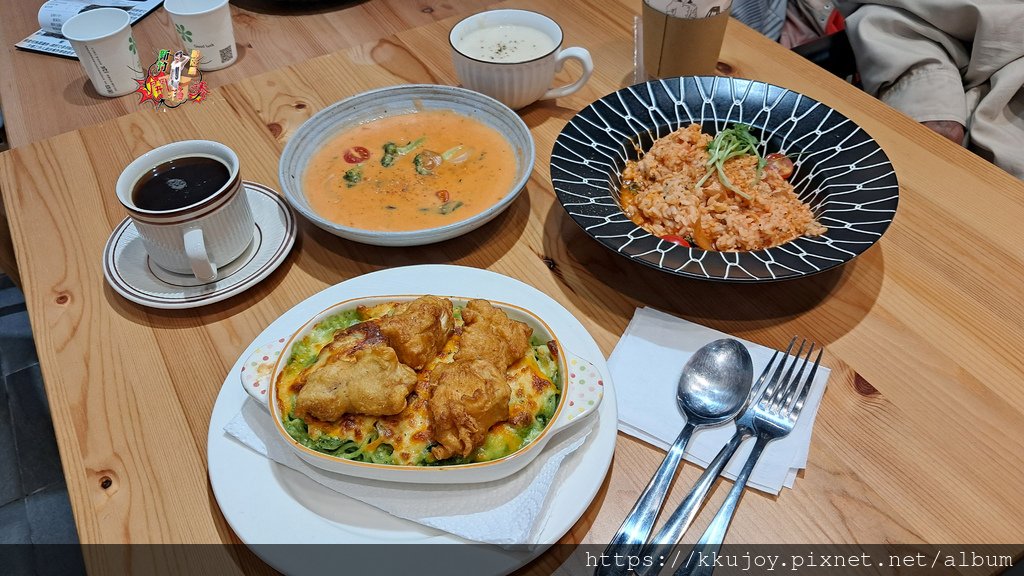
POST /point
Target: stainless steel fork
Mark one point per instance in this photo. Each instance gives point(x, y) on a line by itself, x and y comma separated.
point(773, 417)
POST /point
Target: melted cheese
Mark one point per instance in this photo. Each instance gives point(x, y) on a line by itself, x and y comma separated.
point(408, 434)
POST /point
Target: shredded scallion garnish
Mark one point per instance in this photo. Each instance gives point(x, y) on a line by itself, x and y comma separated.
point(728, 144)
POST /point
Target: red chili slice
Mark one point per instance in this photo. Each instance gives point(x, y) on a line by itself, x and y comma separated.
point(780, 163)
point(442, 195)
point(357, 154)
point(677, 240)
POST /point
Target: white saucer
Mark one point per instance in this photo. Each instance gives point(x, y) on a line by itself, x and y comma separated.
point(129, 271)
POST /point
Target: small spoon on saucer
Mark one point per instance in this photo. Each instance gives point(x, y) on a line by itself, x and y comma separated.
point(713, 387)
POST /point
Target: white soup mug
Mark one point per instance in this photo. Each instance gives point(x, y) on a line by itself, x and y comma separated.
point(513, 56)
point(197, 238)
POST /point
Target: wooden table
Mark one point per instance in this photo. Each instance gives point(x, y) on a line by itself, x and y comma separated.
point(919, 438)
point(269, 34)
point(43, 95)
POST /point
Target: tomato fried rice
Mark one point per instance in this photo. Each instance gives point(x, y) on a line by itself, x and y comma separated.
point(660, 193)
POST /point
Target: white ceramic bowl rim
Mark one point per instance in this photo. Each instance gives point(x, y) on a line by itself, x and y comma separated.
point(533, 448)
point(453, 92)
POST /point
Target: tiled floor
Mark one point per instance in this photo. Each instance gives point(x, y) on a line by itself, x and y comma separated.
point(34, 505)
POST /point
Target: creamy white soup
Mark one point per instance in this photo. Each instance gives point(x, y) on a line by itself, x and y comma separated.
point(506, 43)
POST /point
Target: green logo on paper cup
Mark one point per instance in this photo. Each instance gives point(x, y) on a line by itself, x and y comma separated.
point(186, 35)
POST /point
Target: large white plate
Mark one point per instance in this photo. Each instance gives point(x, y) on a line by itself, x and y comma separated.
point(269, 504)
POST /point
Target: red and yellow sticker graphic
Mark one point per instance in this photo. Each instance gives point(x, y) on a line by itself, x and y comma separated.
point(173, 80)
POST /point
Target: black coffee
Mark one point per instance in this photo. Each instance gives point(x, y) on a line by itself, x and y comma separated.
point(180, 182)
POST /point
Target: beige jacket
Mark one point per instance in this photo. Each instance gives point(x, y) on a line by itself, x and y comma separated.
point(960, 60)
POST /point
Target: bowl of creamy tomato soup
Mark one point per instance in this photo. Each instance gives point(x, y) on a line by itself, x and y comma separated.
point(407, 165)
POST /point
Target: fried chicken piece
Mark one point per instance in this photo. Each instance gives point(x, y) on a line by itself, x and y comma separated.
point(469, 397)
point(490, 335)
point(418, 330)
point(368, 380)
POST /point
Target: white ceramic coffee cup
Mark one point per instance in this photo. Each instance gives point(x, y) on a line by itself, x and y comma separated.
point(515, 83)
point(198, 238)
point(102, 39)
point(205, 25)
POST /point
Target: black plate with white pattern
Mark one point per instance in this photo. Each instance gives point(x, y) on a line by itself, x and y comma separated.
point(839, 170)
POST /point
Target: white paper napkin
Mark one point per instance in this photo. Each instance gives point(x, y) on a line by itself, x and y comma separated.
point(503, 512)
point(645, 367)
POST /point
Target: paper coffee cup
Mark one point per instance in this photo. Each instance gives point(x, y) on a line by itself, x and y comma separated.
point(102, 39)
point(683, 37)
point(54, 13)
point(205, 25)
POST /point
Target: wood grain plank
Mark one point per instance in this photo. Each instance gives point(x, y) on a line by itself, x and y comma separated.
point(112, 412)
point(268, 35)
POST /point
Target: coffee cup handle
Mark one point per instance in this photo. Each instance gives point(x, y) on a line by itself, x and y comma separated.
point(583, 57)
point(195, 248)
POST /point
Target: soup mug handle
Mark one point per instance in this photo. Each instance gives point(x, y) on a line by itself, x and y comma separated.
point(258, 369)
point(198, 257)
point(574, 53)
point(582, 391)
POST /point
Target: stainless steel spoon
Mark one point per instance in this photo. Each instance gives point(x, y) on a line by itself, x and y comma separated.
point(713, 387)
